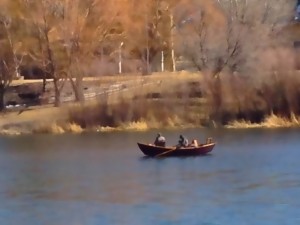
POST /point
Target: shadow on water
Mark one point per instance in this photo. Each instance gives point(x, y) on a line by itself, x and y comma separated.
point(142, 158)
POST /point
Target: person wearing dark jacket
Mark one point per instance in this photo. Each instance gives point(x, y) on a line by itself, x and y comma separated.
point(160, 140)
point(183, 141)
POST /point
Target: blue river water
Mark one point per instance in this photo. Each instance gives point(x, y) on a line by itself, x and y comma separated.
point(251, 177)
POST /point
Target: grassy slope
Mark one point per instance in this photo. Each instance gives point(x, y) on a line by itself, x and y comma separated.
point(46, 118)
point(24, 121)
point(28, 119)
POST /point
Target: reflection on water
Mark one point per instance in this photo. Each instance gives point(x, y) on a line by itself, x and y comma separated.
point(251, 177)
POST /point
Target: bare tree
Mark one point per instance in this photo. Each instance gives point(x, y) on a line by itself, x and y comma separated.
point(149, 31)
point(9, 61)
point(68, 37)
point(44, 16)
point(6, 75)
point(227, 36)
point(85, 26)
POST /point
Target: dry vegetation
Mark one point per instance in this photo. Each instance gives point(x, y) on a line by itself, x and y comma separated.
point(260, 105)
point(246, 65)
point(55, 128)
point(166, 103)
point(271, 121)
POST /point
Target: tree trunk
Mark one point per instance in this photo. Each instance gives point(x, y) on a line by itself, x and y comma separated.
point(44, 84)
point(2, 102)
point(57, 101)
point(214, 84)
point(77, 88)
point(172, 44)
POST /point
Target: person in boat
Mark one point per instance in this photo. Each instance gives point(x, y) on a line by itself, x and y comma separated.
point(183, 141)
point(160, 140)
point(194, 143)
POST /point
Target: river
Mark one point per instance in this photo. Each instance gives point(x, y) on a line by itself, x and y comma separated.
point(251, 177)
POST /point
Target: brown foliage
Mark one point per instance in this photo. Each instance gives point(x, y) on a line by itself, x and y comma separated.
point(161, 111)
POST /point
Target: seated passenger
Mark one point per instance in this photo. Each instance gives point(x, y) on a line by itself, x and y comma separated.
point(183, 142)
point(194, 143)
point(160, 140)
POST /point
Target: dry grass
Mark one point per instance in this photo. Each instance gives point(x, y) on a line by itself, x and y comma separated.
point(132, 110)
point(10, 132)
point(33, 115)
point(72, 128)
point(48, 119)
point(139, 126)
point(28, 121)
point(49, 129)
point(238, 124)
point(171, 123)
point(131, 126)
point(271, 121)
point(274, 121)
point(56, 128)
point(118, 111)
point(132, 119)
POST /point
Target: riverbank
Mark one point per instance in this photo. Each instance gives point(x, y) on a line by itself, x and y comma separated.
point(163, 100)
point(52, 120)
point(78, 119)
point(25, 121)
point(271, 121)
point(96, 113)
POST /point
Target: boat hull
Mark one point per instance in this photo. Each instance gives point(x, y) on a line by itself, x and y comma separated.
point(152, 150)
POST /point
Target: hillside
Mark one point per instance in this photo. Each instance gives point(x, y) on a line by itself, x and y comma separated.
point(113, 89)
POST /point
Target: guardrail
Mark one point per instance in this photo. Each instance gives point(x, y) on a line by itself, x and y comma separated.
point(112, 89)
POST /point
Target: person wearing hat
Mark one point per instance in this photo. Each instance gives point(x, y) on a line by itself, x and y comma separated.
point(160, 140)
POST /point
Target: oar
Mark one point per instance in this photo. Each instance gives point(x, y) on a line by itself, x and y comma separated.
point(166, 152)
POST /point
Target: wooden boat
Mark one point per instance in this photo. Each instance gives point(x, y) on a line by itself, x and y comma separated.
point(157, 151)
